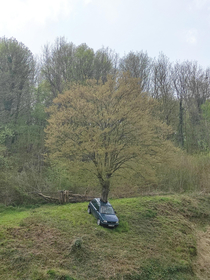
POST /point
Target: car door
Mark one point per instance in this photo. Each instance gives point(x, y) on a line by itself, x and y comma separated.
point(91, 206)
point(95, 208)
point(97, 211)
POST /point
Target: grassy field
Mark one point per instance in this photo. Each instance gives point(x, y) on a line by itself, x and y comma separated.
point(157, 239)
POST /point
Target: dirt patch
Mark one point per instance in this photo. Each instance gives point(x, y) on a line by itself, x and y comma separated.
point(202, 264)
point(37, 233)
point(38, 243)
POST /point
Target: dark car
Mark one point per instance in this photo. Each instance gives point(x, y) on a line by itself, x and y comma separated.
point(103, 212)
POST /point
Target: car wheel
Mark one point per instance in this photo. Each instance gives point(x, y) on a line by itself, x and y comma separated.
point(98, 222)
point(89, 210)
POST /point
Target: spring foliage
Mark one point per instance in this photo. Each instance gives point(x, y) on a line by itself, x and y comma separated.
point(106, 128)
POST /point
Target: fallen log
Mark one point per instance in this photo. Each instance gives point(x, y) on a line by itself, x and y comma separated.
point(48, 198)
point(80, 199)
point(65, 196)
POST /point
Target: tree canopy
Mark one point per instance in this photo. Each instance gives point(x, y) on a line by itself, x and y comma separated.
point(105, 128)
point(16, 78)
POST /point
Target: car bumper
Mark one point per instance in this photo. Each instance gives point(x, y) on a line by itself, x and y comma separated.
point(109, 224)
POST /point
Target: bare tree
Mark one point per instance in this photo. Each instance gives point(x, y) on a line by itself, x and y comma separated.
point(161, 88)
point(58, 64)
point(64, 62)
point(180, 79)
point(16, 79)
point(105, 62)
point(138, 65)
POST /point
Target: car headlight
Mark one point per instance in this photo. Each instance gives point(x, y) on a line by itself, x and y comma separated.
point(117, 222)
point(104, 221)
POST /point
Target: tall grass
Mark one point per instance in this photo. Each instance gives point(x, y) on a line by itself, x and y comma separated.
point(191, 173)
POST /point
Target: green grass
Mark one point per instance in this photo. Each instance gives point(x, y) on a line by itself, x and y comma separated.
point(154, 240)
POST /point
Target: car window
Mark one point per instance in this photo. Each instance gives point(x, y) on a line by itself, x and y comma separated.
point(95, 204)
point(107, 210)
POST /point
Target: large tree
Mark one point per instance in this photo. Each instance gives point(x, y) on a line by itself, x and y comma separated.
point(106, 128)
point(58, 65)
point(16, 79)
point(138, 64)
point(63, 63)
point(161, 89)
point(105, 63)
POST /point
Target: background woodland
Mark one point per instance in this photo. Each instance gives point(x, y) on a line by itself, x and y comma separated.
point(178, 95)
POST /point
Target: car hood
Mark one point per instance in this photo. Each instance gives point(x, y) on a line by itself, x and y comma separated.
point(109, 218)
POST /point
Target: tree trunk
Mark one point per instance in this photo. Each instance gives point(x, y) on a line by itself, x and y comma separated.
point(105, 190)
point(181, 123)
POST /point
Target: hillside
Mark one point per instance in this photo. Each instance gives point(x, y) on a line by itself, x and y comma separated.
point(159, 237)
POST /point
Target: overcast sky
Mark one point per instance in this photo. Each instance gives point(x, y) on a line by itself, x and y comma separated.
point(178, 28)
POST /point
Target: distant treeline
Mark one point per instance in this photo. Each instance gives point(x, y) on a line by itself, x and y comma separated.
point(28, 85)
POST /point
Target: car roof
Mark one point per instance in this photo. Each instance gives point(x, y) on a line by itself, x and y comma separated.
point(100, 202)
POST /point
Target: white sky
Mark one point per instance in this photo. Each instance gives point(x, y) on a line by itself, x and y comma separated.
point(178, 28)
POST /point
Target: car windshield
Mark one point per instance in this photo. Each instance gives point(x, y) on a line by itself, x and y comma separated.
point(107, 210)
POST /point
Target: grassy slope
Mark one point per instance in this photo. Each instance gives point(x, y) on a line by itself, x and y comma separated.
point(156, 239)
